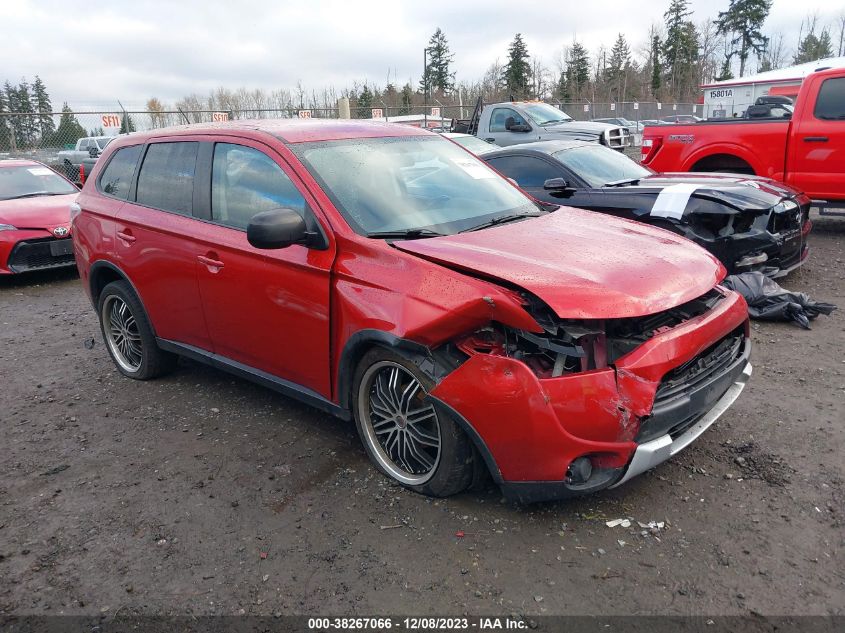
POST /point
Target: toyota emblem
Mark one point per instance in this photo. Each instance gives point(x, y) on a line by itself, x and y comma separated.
point(60, 231)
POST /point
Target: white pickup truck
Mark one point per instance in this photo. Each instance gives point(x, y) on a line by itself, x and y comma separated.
point(515, 122)
point(86, 147)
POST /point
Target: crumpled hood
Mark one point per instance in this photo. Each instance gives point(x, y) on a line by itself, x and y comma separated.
point(744, 193)
point(582, 264)
point(43, 212)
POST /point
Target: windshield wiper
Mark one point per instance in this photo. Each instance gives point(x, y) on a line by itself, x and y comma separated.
point(623, 182)
point(545, 123)
point(502, 219)
point(404, 234)
point(34, 195)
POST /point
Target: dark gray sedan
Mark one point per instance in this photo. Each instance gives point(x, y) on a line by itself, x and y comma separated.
point(748, 222)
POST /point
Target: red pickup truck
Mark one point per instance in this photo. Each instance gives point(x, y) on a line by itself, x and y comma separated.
point(806, 150)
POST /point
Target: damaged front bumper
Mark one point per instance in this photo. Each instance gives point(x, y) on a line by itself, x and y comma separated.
point(775, 243)
point(536, 433)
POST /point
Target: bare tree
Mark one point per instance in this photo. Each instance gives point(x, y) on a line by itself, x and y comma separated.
point(841, 21)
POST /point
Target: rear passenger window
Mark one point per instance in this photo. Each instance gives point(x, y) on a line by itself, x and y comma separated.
point(117, 176)
point(166, 180)
point(528, 172)
point(830, 104)
point(245, 181)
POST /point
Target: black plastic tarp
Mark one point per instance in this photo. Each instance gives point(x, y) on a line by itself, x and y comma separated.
point(767, 301)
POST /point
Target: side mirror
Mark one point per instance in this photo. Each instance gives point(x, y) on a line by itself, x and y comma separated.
point(277, 228)
point(556, 184)
point(559, 187)
point(93, 152)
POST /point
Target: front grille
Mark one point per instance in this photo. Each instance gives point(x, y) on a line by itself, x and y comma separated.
point(36, 254)
point(625, 335)
point(689, 391)
point(711, 362)
point(618, 138)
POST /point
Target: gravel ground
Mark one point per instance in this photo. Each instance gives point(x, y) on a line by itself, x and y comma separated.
point(204, 494)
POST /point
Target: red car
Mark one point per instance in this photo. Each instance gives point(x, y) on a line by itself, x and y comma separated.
point(384, 274)
point(34, 217)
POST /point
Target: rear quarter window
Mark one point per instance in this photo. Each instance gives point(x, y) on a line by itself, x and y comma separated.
point(117, 176)
point(166, 180)
point(830, 104)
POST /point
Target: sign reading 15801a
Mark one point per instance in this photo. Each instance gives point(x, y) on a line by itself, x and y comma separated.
point(722, 93)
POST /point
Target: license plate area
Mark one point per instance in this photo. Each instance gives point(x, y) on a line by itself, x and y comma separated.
point(59, 248)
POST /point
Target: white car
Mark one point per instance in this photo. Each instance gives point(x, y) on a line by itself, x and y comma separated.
point(470, 142)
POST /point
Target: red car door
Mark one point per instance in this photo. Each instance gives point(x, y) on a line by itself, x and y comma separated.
point(817, 156)
point(265, 309)
point(154, 240)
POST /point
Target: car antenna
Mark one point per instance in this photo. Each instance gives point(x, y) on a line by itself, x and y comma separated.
point(187, 120)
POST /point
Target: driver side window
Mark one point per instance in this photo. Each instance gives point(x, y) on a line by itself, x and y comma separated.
point(245, 181)
point(500, 116)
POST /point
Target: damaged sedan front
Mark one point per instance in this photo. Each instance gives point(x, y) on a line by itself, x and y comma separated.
point(749, 223)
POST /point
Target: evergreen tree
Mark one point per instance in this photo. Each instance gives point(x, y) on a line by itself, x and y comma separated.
point(69, 130)
point(406, 96)
point(743, 21)
point(43, 107)
point(725, 73)
point(516, 75)
point(656, 76)
point(814, 47)
point(562, 88)
point(365, 103)
point(127, 125)
point(577, 70)
point(680, 49)
point(5, 139)
point(436, 77)
point(25, 124)
point(97, 131)
point(617, 69)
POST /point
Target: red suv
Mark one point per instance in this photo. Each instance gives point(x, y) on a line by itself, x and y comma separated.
point(384, 274)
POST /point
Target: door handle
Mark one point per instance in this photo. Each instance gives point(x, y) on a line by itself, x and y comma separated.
point(490, 140)
point(815, 139)
point(126, 236)
point(214, 265)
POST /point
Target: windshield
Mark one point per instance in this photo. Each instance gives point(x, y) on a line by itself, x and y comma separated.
point(102, 142)
point(31, 180)
point(408, 183)
point(543, 113)
point(599, 166)
point(473, 144)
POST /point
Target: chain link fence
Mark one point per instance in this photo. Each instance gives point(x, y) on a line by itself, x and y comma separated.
point(52, 137)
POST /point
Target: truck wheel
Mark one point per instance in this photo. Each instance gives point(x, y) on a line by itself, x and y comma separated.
point(407, 437)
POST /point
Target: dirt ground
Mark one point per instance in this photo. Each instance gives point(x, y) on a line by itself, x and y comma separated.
point(201, 493)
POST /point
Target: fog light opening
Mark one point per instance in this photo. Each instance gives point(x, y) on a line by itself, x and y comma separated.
point(579, 471)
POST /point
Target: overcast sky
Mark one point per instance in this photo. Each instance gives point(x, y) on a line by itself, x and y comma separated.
point(91, 54)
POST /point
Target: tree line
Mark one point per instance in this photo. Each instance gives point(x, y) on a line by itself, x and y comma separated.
point(32, 123)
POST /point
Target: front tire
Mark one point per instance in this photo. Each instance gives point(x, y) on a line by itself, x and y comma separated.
point(406, 436)
point(128, 335)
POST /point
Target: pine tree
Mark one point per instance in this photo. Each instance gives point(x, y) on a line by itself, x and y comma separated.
point(365, 103)
point(43, 107)
point(69, 130)
point(26, 125)
point(743, 21)
point(5, 140)
point(127, 125)
point(436, 77)
point(680, 49)
point(656, 75)
point(406, 96)
point(516, 75)
point(814, 47)
point(617, 69)
point(577, 70)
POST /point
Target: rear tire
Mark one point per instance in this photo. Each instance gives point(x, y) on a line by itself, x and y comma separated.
point(407, 437)
point(128, 335)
